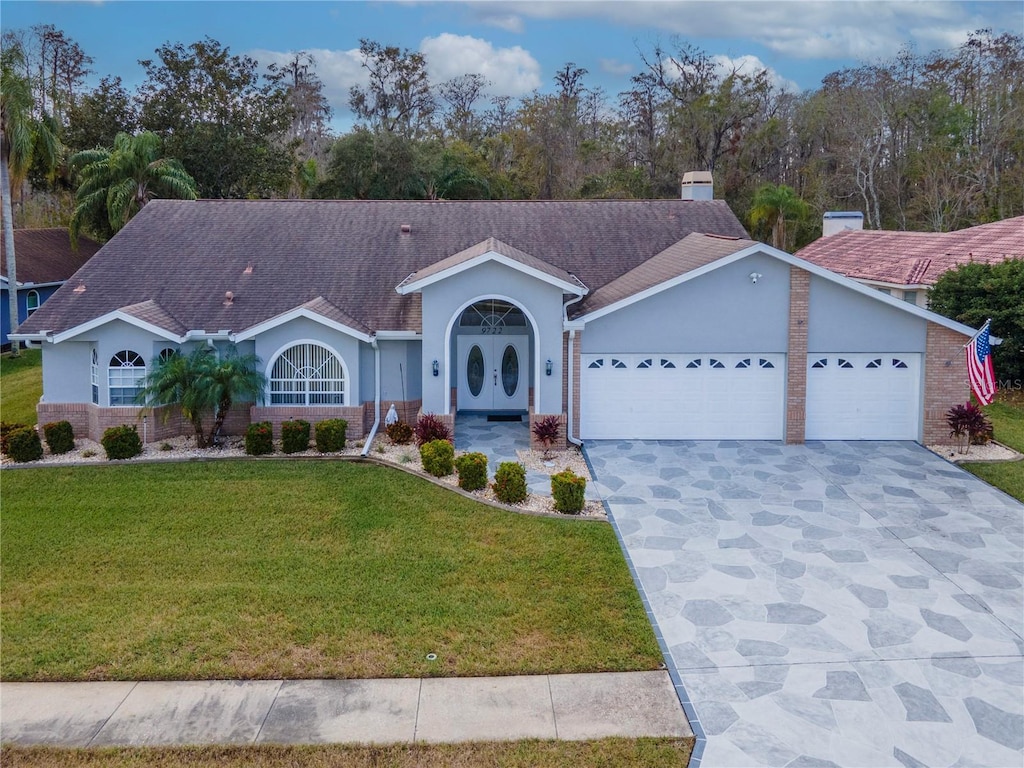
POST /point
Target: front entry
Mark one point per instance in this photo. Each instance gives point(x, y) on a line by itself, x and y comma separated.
point(493, 373)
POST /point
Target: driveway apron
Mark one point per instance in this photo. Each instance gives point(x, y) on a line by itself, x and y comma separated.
point(828, 604)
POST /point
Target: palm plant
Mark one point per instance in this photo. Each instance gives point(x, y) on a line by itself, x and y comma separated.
point(115, 184)
point(775, 205)
point(201, 383)
point(22, 137)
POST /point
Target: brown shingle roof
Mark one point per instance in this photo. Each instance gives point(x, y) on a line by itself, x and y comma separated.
point(46, 256)
point(915, 258)
point(153, 313)
point(185, 255)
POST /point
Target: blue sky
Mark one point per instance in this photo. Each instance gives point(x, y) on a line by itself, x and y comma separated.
point(519, 45)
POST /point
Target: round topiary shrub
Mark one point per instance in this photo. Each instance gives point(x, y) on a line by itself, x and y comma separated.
point(259, 438)
point(60, 437)
point(122, 442)
point(510, 483)
point(472, 469)
point(567, 489)
point(330, 435)
point(23, 444)
point(295, 436)
point(438, 457)
point(6, 427)
point(399, 433)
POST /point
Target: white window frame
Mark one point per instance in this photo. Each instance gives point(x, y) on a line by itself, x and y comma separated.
point(126, 377)
point(320, 363)
point(29, 308)
point(94, 376)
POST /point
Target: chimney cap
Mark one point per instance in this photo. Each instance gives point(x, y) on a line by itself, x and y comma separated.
point(698, 177)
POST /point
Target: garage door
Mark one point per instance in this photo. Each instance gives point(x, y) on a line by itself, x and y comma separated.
point(863, 397)
point(682, 397)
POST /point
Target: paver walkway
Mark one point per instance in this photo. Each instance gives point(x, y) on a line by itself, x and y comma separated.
point(570, 707)
point(833, 604)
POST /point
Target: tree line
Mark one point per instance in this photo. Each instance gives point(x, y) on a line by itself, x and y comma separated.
point(924, 141)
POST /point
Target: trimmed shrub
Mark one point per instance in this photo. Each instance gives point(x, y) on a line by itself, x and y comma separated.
point(437, 457)
point(399, 433)
point(430, 428)
point(23, 444)
point(330, 435)
point(6, 428)
point(510, 483)
point(546, 431)
point(295, 436)
point(567, 489)
point(472, 469)
point(122, 442)
point(60, 437)
point(259, 438)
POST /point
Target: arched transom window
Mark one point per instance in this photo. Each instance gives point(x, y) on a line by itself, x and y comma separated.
point(307, 374)
point(126, 376)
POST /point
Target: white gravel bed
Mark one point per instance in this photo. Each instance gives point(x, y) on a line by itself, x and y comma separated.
point(991, 451)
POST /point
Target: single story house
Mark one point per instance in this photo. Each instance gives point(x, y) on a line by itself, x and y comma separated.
point(640, 319)
point(906, 264)
point(45, 260)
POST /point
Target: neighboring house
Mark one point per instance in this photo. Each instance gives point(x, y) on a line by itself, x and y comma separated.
point(45, 260)
point(630, 319)
point(906, 264)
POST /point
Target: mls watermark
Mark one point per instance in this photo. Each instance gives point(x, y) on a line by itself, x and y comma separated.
point(1006, 384)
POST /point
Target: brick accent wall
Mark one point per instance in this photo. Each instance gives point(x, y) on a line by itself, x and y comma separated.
point(796, 368)
point(945, 380)
point(355, 415)
point(560, 443)
point(408, 410)
point(444, 418)
point(91, 421)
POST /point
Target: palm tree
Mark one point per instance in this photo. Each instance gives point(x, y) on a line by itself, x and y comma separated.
point(21, 137)
point(200, 383)
point(116, 184)
point(775, 205)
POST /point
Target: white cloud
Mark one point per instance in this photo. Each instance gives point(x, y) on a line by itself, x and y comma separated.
point(339, 70)
point(616, 67)
point(749, 65)
point(511, 71)
point(506, 21)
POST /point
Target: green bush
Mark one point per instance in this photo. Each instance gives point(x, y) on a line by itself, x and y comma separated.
point(472, 469)
point(23, 444)
point(60, 437)
point(510, 483)
point(330, 435)
point(259, 438)
point(399, 433)
point(6, 428)
point(437, 457)
point(295, 436)
point(122, 442)
point(567, 489)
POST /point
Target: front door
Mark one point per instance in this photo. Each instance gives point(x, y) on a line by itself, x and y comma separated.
point(493, 373)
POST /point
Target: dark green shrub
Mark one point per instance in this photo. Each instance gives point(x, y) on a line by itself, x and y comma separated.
point(437, 457)
point(23, 444)
point(472, 469)
point(60, 437)
point(259, 438)
point(399, 433)
point(295, 436)
point(122, 442)
point(429, 428)
point(330, 435)
point(510, 483)
point(567, 489)
point(6, 427)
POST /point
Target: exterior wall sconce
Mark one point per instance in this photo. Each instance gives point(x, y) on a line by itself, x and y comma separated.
point(548, 367)
point(434, 367)
point(755, 276)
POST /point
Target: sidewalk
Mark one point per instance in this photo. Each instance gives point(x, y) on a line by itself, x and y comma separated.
point(569, 707)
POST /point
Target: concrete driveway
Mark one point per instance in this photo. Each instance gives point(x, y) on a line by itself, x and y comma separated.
point(831, 604)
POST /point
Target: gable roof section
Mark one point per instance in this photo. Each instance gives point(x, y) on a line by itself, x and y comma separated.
point(318, 310)
point(45, 256)
point(147, 315)
point(277, 255)
point(915, 258)
point(492, 249)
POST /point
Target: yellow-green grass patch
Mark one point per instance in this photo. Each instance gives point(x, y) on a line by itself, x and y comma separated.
point(21, 386)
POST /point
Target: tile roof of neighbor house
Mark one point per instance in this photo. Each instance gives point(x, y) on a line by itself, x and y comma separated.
point(46, 255)
point(275, 256)
point(915, 258)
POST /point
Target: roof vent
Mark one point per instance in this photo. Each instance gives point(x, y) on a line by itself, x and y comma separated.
point(80, 288)
point(406, 229)
point(248, 269)
point(229, 298)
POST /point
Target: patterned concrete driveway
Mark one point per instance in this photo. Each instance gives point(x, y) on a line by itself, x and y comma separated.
point(831, 604)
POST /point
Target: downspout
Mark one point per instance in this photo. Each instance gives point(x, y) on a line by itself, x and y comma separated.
point(376, 398)
point(572, 341)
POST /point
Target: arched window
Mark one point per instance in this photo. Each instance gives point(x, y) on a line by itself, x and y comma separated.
point(32, 301)
point(126, 377)
point(94, 376)
point(307, 374)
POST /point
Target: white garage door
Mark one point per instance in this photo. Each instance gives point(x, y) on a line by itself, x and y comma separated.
point(682, 397)
point(863, 396)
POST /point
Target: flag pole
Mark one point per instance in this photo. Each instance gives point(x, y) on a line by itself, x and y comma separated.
point(977, 333)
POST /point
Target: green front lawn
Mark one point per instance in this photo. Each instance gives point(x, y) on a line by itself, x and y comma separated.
point(1007, 417)
point(291, 569)
point(21, 386)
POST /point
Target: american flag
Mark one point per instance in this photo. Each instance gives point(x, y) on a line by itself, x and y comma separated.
point(979, 366)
